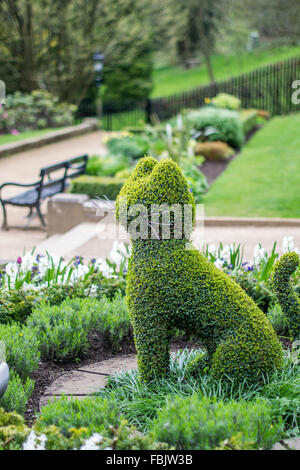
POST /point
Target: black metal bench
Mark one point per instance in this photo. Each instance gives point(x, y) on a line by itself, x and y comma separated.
point(44, 188)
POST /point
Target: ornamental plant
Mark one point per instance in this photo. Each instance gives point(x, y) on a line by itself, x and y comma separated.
point(171, 286)
point(287, 298)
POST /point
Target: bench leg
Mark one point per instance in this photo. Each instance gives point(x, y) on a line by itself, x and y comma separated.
point(38, 209)
point(4, 224)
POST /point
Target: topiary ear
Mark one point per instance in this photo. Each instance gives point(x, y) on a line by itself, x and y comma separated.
point(168, 185)
point(144, 168)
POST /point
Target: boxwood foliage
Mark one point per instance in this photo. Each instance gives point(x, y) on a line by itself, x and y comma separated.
point(95, 186)
point(287, 297)
point(172, 286)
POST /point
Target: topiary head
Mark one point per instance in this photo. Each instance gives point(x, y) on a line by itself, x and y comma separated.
point(153, 200)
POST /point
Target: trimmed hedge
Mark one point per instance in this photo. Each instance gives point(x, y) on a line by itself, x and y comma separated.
point(170, 286)
point(214, 151)
point(287, 298)
point(249, 120)
point(95, 186)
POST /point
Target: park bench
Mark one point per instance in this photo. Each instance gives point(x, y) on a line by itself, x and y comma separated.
point(45, 187)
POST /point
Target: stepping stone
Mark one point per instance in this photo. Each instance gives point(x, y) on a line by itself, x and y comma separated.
point(88, 379)
point(288, 444)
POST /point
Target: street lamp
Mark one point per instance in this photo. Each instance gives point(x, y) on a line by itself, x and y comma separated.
point(98, 59)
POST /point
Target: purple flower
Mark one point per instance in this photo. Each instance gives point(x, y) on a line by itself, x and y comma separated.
point(250, 268)
point(14, 132)
point(19, 260)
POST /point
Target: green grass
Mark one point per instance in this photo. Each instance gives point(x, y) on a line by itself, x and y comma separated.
point(8, 138)
point(139, 402)
point(174, 79)
point(264, 180)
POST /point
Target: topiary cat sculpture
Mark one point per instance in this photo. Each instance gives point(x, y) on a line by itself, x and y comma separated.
point(171, 286)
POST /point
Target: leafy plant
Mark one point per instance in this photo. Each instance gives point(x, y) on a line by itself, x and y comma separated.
point(21, 348)
point(227, 123)
point(204, 423)
point(17, 394)
point(37, 110)
point(226, 101)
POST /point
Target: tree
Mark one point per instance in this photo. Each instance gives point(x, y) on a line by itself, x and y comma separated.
point(50, 43)
point(199, 31)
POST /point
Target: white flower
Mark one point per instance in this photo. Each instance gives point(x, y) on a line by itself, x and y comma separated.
point(219, 263)
point(92, 290)
point(34, 442)
point(119, 252)
point(225, 253)
point(212, 250)
point(102, 266)
point(92, 443)
point(259, 255)
point(288, 245)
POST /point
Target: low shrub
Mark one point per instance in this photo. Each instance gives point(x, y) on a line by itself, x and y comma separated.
point(21, 348)
point(17, 394)
point(16, 305)
point(96, 414)
point(249, 120)
point(214, 151)
point(15, 435)
point(227, 124)
point(188, 423)
point(132, 146)
point(37, 110)
point(226, 101)
point(106, 166)
point(97, 186)
point(63, 330)
point(113, 321)
point(278, 320)
point(13, 431)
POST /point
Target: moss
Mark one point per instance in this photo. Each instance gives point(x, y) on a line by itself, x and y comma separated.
point(287, 298)
point(171, 286)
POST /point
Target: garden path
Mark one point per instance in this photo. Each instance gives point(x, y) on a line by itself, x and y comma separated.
point(24, 167)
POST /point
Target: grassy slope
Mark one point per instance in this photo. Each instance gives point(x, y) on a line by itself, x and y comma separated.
point(169, 80)
point(8, 138)
point(264, 180)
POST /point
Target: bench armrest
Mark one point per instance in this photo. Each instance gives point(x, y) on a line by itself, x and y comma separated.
point(21, 185)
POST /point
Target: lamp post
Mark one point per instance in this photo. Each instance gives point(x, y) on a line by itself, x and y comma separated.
point(98, 59)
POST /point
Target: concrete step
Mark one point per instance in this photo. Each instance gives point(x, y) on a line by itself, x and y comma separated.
point(62, 245)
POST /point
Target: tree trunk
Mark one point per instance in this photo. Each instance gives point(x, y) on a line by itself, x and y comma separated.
point(209, 67)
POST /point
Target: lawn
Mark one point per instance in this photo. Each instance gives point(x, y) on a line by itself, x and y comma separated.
point(174, 79)
point(9, 138)
point(264, 180)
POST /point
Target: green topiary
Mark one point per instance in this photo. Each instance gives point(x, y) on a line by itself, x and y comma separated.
point(172, 286)
point(287, 298)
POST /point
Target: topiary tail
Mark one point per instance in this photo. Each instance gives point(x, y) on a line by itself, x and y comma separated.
point(286, 296)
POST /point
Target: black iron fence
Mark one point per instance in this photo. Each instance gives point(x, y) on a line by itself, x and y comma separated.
point(268, 88)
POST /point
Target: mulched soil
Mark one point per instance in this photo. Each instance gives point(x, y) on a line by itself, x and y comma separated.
point(213, 169)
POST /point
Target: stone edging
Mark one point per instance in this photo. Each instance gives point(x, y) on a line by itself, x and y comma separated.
point(248, 222)
point(51, 137)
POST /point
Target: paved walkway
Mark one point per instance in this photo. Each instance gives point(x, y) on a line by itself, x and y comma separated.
point(84, 381)
point(24, 167)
